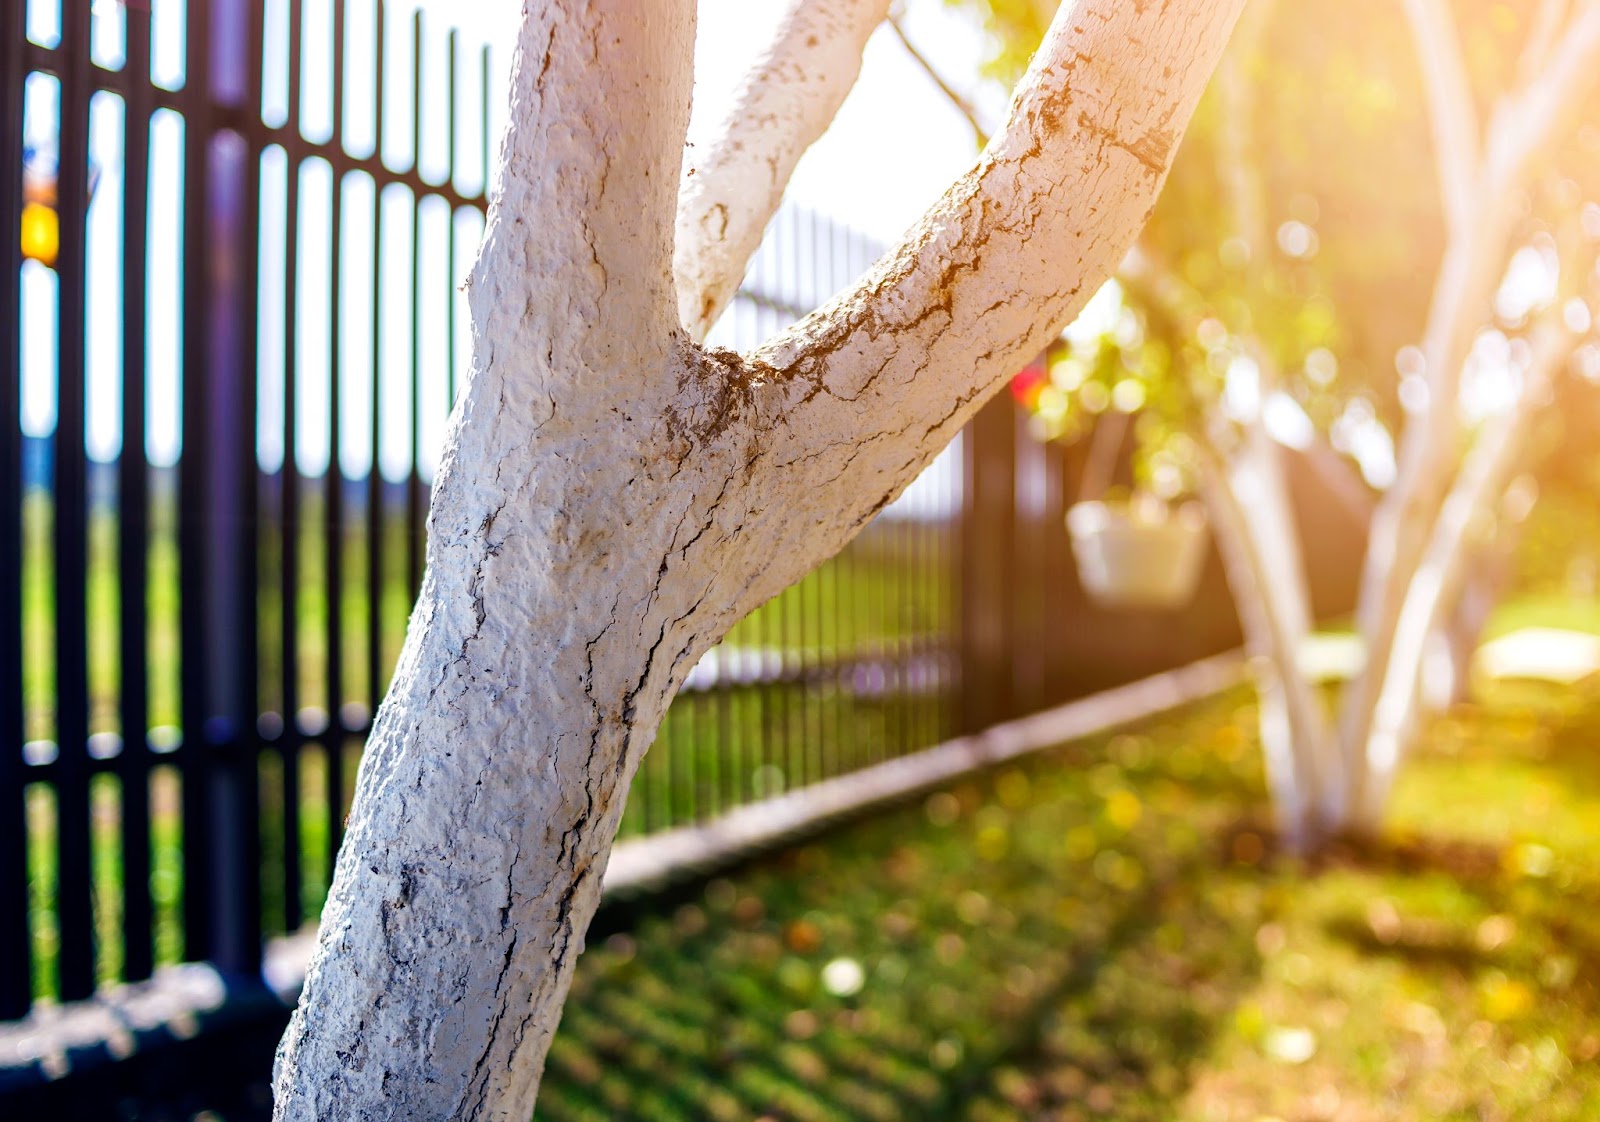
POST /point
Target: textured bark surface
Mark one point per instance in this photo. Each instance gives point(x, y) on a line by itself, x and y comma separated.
point(732, 188)
point(611, 499)
point(545, 639)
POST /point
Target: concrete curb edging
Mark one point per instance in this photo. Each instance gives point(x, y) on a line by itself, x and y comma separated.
point(647, 864)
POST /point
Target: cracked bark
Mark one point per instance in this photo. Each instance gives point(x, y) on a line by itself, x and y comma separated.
point(611, 499)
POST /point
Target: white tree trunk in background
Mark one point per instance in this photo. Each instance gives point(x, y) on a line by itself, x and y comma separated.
point(1434, 591)
point(1260, 554)
point(784, 103)
point(1247, 494)
point(1481, 188)
point(1424, 532)
point(1447, 670)
point(611, 499)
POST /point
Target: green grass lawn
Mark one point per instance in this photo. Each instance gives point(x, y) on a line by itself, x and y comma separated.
point(1555, 609)
point(1103, 933)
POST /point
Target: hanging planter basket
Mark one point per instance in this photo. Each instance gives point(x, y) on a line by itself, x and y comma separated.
point(1143, 555)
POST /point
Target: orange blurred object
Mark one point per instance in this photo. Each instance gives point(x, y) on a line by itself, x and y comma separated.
point(41, 234)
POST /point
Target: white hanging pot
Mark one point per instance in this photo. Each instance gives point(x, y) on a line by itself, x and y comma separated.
point(1144, 554)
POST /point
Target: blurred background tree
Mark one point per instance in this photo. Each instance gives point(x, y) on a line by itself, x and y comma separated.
point(1336, 221)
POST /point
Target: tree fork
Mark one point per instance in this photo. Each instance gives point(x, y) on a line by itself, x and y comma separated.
point(612, 498)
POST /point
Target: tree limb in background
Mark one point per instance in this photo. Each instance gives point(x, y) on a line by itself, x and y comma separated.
point(1542, 31)
point(961, 104)
point(1451, 109)
point(1240, 170)
point(1433, 592)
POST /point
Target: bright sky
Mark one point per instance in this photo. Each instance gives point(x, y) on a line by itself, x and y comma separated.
point(896, 145)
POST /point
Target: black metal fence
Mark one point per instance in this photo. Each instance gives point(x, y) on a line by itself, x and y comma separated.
point(231, 338)
point(235, 341)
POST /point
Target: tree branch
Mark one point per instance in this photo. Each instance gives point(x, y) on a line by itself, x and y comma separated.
point(1432, 593)
point(785, 102)
point(1531, 120)
point(1541, 35)
point(892, 368)
point(1451, 109)
point(1241, 173)
point(961, 104)
point(1298, 763)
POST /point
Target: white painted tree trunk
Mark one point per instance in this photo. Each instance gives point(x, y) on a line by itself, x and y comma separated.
point(611, 499)
point(1260, 552)
point(1480, 186)
point(1434, 591)
point(1428, 455)
point(547, 634)
point(1421, 532)
point(1447, 666)
point(1247, 494)
point(732, 188)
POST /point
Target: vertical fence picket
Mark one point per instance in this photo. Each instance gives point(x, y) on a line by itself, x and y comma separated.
point(453, 44)
point(702, 759)
point(236, 796)
point(289, 488)
point(333, 480)
point(1057, 575)
point(16, 987)
point(133, 524)
point(74, 905)
point(416, 498)
point(987, 523)
point(377, 679)
point(194, 759)
point(485, 92)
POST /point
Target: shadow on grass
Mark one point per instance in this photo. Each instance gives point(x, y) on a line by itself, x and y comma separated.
point(1102, 933)
point(1123, 1038)
point(1058, 940)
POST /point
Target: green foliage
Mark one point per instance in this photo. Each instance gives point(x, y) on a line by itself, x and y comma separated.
point(1015, 29)
point(1329, 272)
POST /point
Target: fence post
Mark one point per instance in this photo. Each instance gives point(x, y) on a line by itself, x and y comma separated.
point(987, 538)
point(15, 982)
